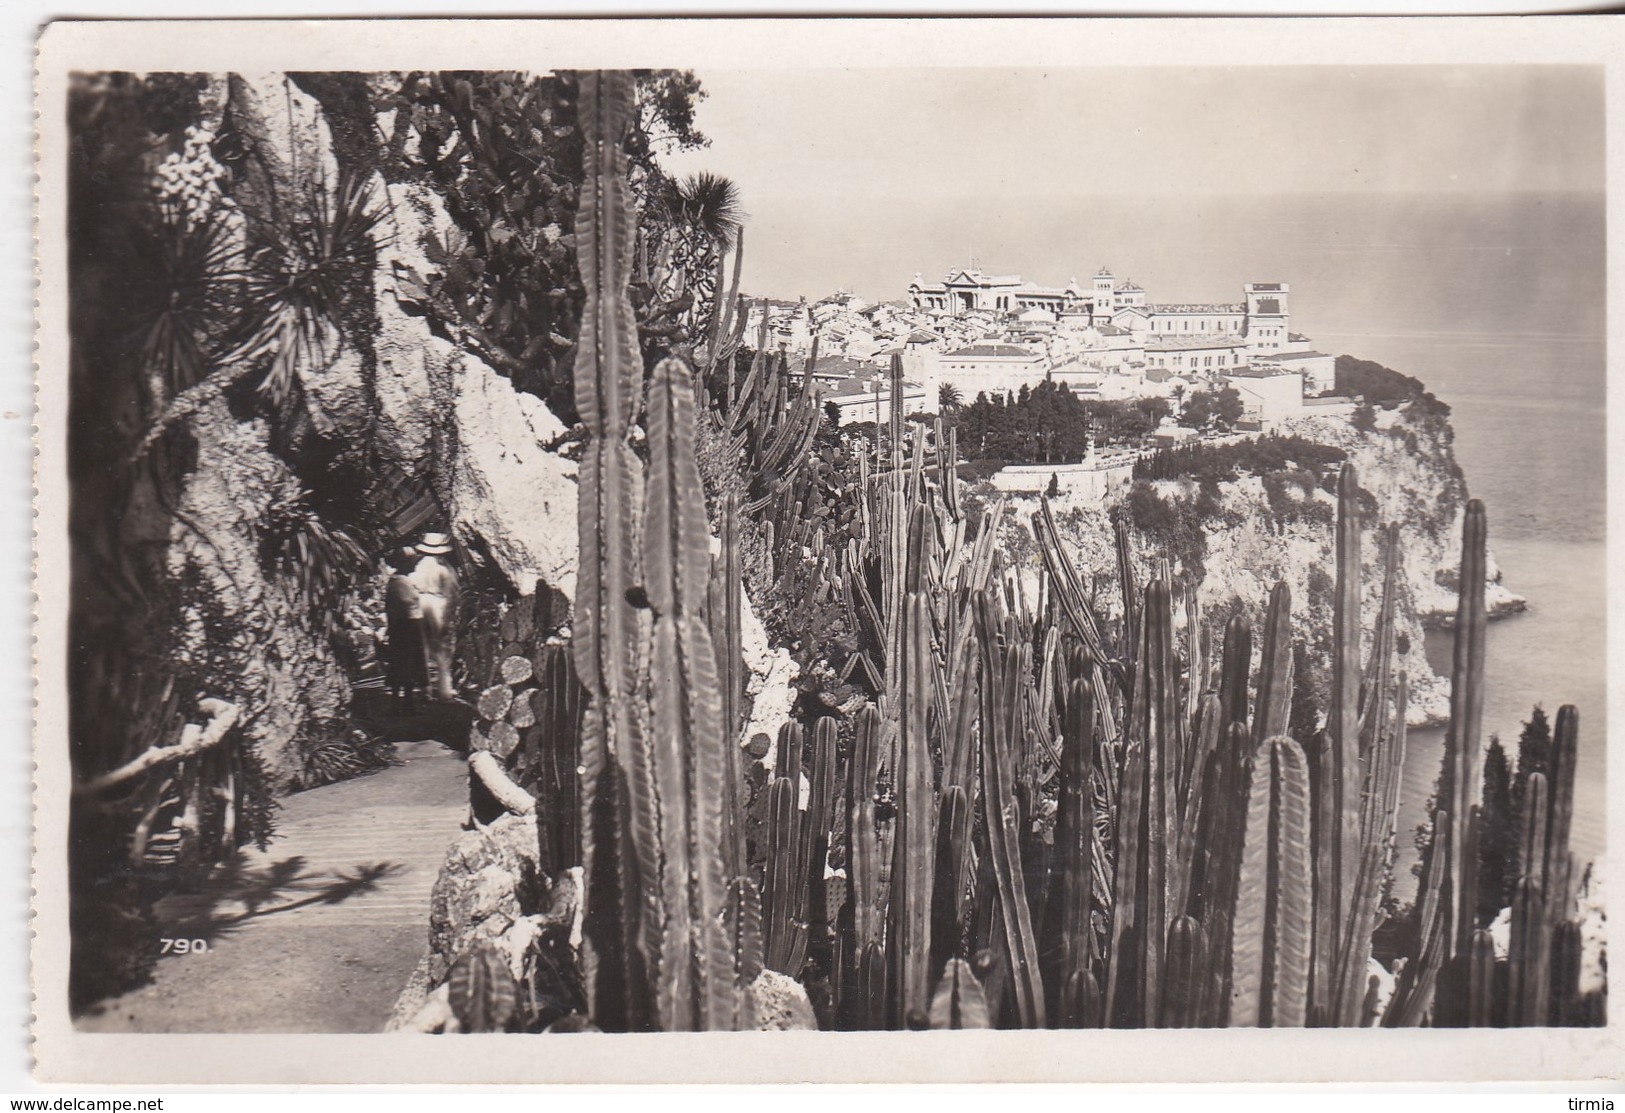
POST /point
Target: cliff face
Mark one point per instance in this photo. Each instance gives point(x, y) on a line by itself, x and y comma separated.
point(1247, 544)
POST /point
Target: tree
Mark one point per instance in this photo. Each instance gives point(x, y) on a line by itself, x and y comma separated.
point(701, 222)
point(1303, 715)
point(948, 398)
point(1364, 418)
point(1054, 488)
point(1199, 410)
point(503, 153)
point(1534, 755)
point(1498, 838)
point(1228, 408)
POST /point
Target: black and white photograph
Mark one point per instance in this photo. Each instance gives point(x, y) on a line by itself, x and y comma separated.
point(886, 540)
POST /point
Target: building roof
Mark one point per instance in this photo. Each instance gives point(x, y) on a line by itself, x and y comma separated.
point(858, 389)
point(1287, 357)
point(835, 366)
point(1129, 287)
point(1297, 338)
point(1198, 307)
point(1113, 330)
point(1103, 273)
point(992, 351)
point(974, 277)
point(1265, 372)
point(895, 303)
point(1192, 343)
point(1264, 286)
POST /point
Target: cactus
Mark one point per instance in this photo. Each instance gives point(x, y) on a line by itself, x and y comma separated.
point(1342, 724)
point(1271, 948)
point(1186, 981)
point(948, 886)
point(959, 1001)
point(724, 607)
point(656, 787)
point(1068, 920)
point(785, 876)
point(608, 374)
point(687, 750)
point(1458, 782)
point(481, 989)
point(1560, 814)
point(551, 749)
point(1001, 731)
point(1481, 980)
point(909, 934)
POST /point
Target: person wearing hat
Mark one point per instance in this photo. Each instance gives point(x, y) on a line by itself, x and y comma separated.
point(438, 593)
point(406, 664)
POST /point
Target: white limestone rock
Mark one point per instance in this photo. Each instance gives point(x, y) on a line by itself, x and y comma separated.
point(776, 1002)
point(516, 495)
point(771, 685)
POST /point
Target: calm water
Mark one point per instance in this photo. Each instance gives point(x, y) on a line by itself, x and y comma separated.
point(1516, 347)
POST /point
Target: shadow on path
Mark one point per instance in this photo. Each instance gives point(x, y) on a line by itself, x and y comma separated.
point(320, 932)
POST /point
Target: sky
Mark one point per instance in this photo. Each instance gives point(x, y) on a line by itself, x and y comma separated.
point(851, 156)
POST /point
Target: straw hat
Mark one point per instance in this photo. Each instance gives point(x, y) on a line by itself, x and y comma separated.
point(434, 544)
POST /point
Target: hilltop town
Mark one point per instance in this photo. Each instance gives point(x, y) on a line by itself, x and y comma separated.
point(974, 333)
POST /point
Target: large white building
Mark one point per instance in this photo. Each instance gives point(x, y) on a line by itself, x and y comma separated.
point(1261, 320)
point(989, 366)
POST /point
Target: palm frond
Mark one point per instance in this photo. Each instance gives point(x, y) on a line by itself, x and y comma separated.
point(710, 203)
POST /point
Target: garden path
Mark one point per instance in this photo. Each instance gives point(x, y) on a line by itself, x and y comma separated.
point(320, 932)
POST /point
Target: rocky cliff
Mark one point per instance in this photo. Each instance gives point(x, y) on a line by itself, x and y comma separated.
point(1246, 540)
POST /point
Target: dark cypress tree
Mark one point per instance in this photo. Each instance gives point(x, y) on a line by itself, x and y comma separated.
point(1303, 716)
point(1498, 836)
point(1534, 755)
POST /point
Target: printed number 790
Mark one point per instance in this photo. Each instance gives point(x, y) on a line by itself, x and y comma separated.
point(183, 946)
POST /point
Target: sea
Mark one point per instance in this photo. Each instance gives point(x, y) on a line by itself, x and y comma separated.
point(1495, 301)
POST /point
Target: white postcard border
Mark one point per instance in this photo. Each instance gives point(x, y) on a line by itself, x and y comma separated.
point(66, 1055)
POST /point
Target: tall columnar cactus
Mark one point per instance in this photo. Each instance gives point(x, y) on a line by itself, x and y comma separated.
point(1069, 925)
point(909, 934)
point(552, 752)
point(1459, 782)
point(654, 756)
point(688, 754)
point(725, 611)
point(783, 877)
point(1343, 724)
point(1271, 942)
point(1382, 747)
point(608, 378)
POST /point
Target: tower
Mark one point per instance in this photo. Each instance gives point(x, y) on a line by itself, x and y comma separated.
point(1104, 285)
point(1267, 320)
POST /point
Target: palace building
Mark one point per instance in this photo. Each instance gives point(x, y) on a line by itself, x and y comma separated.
point(1256, 326)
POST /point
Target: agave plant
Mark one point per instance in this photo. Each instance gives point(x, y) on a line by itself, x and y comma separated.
point(180, 313)
point(297, 278)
